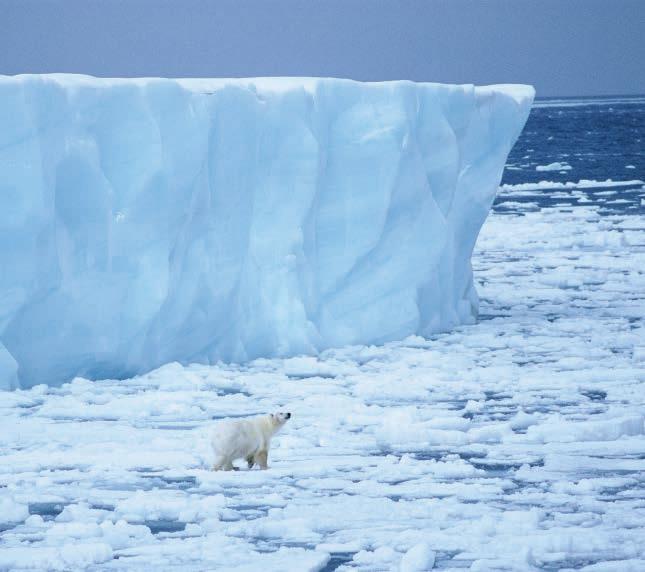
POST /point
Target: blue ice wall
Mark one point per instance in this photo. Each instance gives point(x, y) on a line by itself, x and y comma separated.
point(149, 220)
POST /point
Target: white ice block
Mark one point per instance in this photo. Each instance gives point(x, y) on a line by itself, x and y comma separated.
point(144, 221)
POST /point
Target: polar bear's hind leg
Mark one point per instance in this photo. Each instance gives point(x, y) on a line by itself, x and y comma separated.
point(261, 459)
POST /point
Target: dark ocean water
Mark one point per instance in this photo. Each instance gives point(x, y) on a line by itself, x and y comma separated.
point(595, 140)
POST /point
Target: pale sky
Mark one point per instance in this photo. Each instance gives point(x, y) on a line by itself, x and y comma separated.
point(563, 47)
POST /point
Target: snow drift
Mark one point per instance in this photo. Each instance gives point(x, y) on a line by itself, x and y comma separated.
point(149, 220)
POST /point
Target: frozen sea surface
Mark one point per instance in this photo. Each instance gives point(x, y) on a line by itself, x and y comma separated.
point(514, 444)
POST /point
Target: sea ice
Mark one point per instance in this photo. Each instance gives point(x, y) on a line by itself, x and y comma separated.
point(582, 184)
point(145, 221)
point(420, 558)
point(515, 444)
point(11, 512)
point(557, 166)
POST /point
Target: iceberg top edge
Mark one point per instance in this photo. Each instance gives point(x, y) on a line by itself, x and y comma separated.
point(519, 92)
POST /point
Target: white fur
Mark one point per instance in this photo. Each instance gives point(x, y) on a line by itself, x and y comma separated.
point(245, 439)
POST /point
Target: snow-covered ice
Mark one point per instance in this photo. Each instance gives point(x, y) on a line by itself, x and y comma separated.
point(586, 102)
point(557, 166)
point(582, 184)
point(515, 444)
point(144, 221)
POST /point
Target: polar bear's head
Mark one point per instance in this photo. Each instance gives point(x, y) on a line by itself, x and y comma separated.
point(279, 419)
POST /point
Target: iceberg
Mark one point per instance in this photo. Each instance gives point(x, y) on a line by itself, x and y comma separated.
point(144, 221)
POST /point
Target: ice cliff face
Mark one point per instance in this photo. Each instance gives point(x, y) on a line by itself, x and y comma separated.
point(150, 220)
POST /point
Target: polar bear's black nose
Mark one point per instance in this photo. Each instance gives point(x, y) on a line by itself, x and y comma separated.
point(288, 416)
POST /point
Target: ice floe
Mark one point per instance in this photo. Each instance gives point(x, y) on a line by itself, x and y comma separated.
point(514, 444)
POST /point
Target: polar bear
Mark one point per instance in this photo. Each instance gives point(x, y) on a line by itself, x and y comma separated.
point(245, 438)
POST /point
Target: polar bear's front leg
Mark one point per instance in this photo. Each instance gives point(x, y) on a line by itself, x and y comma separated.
point(261, 459)
point(223, 464)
